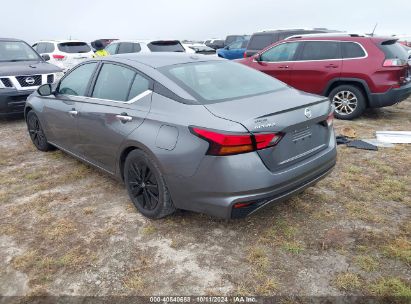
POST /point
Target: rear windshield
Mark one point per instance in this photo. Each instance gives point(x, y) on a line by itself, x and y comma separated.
point(166, 46)
point(74, 47)
point(217, 81)
point(393, 50)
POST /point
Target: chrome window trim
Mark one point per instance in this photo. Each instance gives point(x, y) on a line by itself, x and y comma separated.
point(355, 58)
point(133, 100)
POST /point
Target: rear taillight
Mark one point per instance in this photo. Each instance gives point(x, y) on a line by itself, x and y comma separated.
point(394, 62)
point(222, 143)
point(245, 55)
point(59, 57)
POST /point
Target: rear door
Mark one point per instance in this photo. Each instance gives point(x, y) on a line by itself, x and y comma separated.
point(316, 64)
point(62, 109)
point(278, 61)
point(119, 102)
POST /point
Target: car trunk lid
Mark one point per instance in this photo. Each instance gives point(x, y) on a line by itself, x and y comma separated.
point(300, 118)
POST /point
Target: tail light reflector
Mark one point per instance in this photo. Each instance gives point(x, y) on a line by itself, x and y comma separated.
point(394, 62)
point(222, 143)
point(59, 57)
point(242, 205)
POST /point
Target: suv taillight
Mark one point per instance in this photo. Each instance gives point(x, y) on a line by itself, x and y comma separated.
point(59, 57)
point(222, 143)
point(394, 62)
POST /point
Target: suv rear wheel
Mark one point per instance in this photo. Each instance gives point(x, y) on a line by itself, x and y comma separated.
point(348, 100)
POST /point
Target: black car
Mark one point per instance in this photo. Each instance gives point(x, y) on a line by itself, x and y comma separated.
point(261, 40)
point(22, 71)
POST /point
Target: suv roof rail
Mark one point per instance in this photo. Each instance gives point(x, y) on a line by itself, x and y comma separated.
point(326, 35)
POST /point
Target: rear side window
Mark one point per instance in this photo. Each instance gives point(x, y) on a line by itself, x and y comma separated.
point(76, 82)
point(113, 82)
point(128, 47)
point(140, 85)
point(74, 47)
point(352, 50)
point(320, 50)
point(259, 42)
point(281, 52)
point(166, 46)
point(393, 50)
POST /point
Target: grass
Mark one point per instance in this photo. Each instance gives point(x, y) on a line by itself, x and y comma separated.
point(347, 281)
point(293, 247)
point(134, 282)
point(366, 263)
point(258, 258)
point(149, 229)
point(60, 229)
point(390, 287)
point(400, 249)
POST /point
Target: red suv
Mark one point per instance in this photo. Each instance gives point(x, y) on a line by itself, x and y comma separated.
point(355, 72)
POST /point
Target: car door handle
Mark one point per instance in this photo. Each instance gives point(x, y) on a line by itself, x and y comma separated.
point(331, 66)
point(73, 113)
point(123, 117)
point(283, 66)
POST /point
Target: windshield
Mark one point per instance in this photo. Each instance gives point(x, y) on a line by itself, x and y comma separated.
point(74, 47)
point(17, 51)
point(216, 81)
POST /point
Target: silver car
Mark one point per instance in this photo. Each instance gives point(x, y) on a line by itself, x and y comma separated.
point(187, 131)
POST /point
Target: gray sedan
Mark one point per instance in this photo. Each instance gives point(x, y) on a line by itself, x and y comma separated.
point(187, 131)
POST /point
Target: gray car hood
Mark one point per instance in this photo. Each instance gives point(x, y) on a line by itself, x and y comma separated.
point(27, 68)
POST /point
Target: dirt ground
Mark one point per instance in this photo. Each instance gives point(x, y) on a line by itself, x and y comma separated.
point(66, 228)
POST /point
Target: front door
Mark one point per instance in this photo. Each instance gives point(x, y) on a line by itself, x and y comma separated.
point(63, 107)
point(119, 103)
point(278, 61)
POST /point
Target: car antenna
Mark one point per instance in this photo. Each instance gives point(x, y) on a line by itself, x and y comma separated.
point(372, 34)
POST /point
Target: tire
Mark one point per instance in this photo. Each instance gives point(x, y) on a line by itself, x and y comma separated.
point(36, 132)
point(348, 100)
point(146, 186)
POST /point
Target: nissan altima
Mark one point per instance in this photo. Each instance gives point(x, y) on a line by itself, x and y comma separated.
point(187, 131)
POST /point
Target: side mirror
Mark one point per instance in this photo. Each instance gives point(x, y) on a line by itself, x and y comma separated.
point(46, 57)
point(257, 57)
point(45, 90)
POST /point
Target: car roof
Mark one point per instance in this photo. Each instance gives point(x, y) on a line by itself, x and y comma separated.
point(340, 37)
point(10, 39)
point(146, 41)
point(160, 59)
point(60, 41)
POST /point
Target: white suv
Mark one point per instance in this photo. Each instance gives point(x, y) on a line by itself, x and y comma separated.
point(144, 46)
point(64, 53)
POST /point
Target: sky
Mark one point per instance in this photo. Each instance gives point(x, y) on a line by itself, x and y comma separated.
point(87, 20)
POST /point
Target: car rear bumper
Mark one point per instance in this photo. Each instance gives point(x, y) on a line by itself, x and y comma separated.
point(390, 97)
point(13, 101)
point(222, 182)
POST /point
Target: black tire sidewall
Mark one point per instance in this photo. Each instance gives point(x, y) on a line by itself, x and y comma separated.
point(45, 146)
point(138, 156)
point(361, 104)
